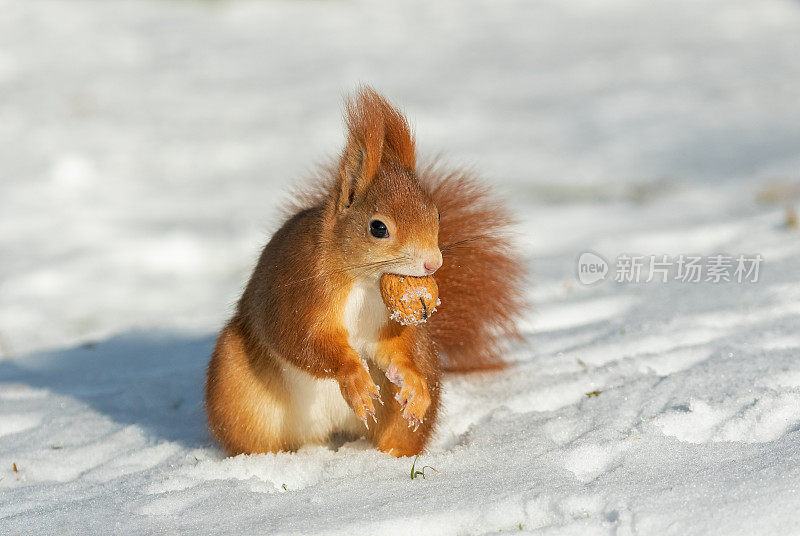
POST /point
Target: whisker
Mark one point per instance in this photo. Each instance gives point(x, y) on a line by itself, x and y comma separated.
point(365, 267)
point(460, 243)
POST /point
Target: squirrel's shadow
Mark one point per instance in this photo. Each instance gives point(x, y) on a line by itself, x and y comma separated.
point(154, 382)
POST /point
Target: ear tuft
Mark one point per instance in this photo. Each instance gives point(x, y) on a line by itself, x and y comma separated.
point(377, 133)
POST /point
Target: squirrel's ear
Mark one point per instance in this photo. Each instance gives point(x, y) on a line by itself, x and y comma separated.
point(358, 168)
point(375, 130)
point(362, 156)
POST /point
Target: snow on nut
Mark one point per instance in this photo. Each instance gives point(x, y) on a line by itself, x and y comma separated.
point(411, 300)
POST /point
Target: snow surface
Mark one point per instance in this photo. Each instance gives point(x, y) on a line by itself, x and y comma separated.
point(145, 147)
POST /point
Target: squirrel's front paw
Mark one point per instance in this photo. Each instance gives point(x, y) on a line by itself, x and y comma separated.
point(358, 390)
point(413, 396)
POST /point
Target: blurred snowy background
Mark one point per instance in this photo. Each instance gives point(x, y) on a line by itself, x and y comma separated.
point(145, 147)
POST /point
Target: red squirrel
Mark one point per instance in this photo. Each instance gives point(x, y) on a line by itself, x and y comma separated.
point(311, 350)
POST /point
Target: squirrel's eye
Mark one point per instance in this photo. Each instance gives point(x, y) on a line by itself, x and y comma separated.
point(378, 229)
point(440, 216)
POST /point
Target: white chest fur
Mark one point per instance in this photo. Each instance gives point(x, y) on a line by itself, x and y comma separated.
point(364, 316)
point(317, 404)
point(317, 407)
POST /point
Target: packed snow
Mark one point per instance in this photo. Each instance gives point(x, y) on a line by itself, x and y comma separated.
point(146, 148)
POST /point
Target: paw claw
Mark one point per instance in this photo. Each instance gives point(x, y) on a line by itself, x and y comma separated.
point(412, 394)
point(359, 390)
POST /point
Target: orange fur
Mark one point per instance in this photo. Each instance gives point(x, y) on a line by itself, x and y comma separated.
point(409, 350)
point(482, 279)
point(310, 347)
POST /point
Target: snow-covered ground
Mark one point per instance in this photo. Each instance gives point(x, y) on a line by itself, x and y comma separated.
point(145, 148)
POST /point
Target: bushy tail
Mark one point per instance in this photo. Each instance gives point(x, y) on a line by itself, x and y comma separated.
point(482, 279)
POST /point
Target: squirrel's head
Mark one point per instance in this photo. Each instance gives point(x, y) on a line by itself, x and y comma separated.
point(385, 220)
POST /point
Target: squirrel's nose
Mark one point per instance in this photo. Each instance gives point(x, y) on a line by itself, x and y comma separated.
point(432, 264)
